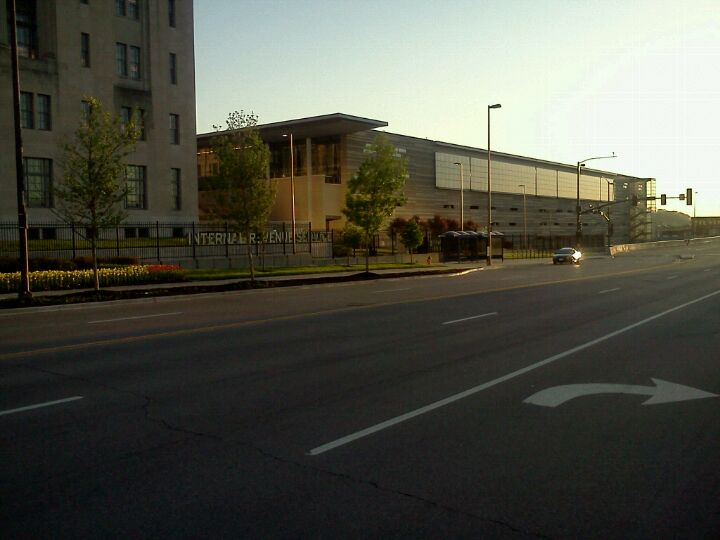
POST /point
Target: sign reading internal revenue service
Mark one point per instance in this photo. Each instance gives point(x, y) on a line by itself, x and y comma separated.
point(270, 237)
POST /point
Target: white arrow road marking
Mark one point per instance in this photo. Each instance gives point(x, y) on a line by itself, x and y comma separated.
point(40, 405)
point(662, 392)
point(481, 387)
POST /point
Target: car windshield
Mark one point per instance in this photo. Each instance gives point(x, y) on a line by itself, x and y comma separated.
point(565, 250)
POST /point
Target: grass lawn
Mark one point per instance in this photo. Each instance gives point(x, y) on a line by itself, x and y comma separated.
point(239, 273)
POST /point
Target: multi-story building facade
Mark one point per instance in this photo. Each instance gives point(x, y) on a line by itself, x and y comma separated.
point(531, 198)
point(137, 58)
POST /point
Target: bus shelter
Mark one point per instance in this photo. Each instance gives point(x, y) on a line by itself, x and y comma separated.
point(469, 246)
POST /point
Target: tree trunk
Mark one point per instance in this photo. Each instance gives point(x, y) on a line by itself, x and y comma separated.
point(250, 258)
point(93, 247)
point(367, 254)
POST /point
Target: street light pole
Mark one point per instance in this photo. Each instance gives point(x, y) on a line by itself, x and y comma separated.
point(609, 183)
point(489, 190)
point(462, 201)
point(578, 227)
point(292, 189)
point(24, 293)
point(524, 216)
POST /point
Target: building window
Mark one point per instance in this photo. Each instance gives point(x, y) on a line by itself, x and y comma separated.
point(175, 189)
point(120, 8)
point(125, 116)
point(135, 184)
point(38, 182)
point(174, 129)
point(173, 68)
point(26, 28)
point(121, 66)
point(44, 118)
point(171, 13)
point(132, 9)
point(135, 72)
point(85, 49)
point(140, 118)
point(27, 113)
point(85, 108)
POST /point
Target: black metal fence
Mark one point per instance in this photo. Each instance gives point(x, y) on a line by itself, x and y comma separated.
point(156, 241)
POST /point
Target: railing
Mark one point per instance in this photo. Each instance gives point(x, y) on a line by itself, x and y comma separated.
point(158, 241)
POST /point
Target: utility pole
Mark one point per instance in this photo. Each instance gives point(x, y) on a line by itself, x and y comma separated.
point(24, 293)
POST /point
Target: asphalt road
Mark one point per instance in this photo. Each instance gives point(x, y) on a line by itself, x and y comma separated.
point(522, 401)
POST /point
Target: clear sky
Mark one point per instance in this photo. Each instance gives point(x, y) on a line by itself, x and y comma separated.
point(576, 78)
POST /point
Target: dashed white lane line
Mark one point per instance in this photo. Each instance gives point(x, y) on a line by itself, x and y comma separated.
point(479, 388)
point(609, 290)
point(672, 277)
point(137, 317)
point(390, 290)
point(40, 405)
point(471, 318)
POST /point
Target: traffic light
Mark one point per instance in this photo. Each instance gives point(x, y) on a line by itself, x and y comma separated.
point(688, 196)
point(634, 200)
point(663, 199)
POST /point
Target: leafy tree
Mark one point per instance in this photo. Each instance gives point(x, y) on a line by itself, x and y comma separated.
point(375, 190)
point(411, 236)
point(352, 237)
point(93, 187)
point(241, 193)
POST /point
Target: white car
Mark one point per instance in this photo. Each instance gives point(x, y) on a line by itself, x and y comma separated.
point(566, 255)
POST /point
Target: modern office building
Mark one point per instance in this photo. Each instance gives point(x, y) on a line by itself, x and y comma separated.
point(137, 58)
point(530, 197)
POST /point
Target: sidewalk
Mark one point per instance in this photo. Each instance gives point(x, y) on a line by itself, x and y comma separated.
point(209, 286)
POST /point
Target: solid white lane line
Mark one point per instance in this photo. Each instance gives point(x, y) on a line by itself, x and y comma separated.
point(40, 405)
point(137, 317)
point(452, 399)
point(391, 290)
point(471, 318)
point(609, 290)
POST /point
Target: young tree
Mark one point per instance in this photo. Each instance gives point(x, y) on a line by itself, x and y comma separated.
point(411, 236)
point(375, 190)
point(93, 188)
point(241, 194)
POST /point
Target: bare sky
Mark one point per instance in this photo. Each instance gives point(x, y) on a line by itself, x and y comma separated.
point(576, 78)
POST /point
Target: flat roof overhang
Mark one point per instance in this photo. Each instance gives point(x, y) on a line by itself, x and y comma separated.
point(314, 127)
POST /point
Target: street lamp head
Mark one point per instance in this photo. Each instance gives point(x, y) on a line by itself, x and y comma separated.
point(457, 163)
point(496, 106)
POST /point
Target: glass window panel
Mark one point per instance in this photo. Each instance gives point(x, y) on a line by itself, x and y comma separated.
point(175, 189)
point(135, 183)
point(134, 63)
point(38, 182)
point(43, 112)
point(85, 50)
point(121, 67)
point(27, 113)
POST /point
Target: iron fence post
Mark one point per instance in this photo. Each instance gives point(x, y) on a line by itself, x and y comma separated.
point(157, 240)
point(72, 238)
point(192, 240)
point(117, 240)
point(227, 243)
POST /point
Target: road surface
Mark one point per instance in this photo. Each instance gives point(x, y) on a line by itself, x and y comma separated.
point(512, 402)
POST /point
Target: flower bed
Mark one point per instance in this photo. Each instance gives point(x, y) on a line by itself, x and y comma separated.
point(51, 280)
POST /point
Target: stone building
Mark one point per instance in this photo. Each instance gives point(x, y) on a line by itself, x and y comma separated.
point(137, 58)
